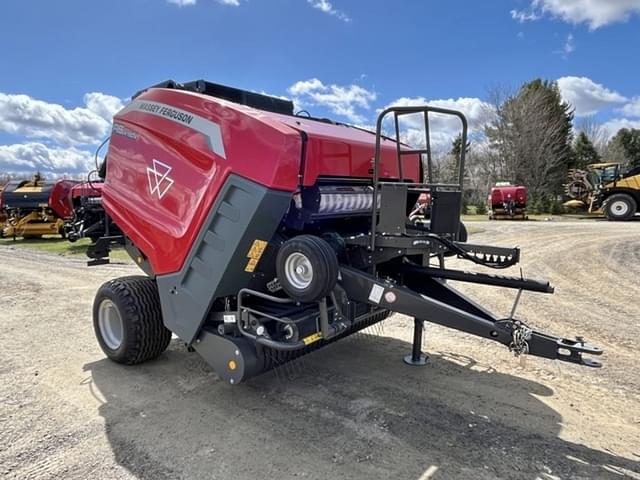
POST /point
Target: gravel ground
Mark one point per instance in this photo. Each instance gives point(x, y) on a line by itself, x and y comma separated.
point(351, 410)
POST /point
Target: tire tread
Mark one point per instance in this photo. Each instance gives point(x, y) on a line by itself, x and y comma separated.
point(147, 337)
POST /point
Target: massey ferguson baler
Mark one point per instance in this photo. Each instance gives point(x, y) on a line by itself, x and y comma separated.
point(265, 235)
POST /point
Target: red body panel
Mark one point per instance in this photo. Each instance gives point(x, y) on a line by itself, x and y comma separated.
point(165, 228)
point(59, 198)
point(499, 195)
point(86, 189)
point(343, 151)
point(261, 146)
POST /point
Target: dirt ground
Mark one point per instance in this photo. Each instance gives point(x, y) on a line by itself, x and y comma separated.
point(352, 410)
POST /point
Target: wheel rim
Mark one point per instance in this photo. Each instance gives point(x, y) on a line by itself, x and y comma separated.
point(298, 270)
point(620, 208)
point(110, 324)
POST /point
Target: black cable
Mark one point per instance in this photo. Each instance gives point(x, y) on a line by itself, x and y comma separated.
point(98, 151)
point(472, 258)
point(462, 253)
point(95, 189)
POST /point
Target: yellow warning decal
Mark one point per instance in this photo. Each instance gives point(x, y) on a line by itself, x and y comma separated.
point(312, 338)
point(254, 254)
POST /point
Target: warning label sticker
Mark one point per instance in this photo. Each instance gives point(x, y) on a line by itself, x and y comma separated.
point(254, 254)
point(376, 293)
point(312, 338)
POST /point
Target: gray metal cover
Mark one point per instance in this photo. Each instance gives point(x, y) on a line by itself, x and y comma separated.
point(243, 212)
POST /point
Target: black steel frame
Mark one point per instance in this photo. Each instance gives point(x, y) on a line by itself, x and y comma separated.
point(429, 185)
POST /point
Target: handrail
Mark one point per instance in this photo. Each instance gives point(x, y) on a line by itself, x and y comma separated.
point(397, 112)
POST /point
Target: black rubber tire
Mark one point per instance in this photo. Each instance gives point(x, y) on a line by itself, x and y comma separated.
point(463, 235)
point(324, 263)
point(144, 334)
point(609, 203)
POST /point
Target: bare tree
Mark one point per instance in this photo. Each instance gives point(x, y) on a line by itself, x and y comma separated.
point(598, 135)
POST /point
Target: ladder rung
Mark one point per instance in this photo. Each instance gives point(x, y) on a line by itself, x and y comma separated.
point(414, 152)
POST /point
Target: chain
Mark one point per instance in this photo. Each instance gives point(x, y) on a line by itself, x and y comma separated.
point(521, 334)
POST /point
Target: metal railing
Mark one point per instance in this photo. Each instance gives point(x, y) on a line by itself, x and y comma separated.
point(400, 152)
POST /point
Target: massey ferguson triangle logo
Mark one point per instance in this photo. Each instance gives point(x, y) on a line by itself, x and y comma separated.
point(158, 176)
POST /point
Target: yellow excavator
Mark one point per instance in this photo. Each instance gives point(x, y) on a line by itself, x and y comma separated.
point(602, 187)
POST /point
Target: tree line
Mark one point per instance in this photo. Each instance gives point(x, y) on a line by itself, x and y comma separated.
point(532, 140)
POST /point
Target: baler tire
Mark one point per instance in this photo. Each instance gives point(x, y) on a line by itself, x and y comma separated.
point(144, 335)
point(324, 264)
point(611, 201)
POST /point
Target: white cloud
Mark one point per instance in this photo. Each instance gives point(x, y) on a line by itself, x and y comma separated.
point(105, 106)
point(586, 96)
point(569, 45)
point(443, 128)
point(632, 109)
point(612, 126)
point(595, 13)
point(341, 100)
point(326, 7)
point(26, 158)
point(524, 16)
point(182, 3)
point(31, 118)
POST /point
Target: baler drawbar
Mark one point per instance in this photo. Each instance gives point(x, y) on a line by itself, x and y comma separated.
point(265, 235)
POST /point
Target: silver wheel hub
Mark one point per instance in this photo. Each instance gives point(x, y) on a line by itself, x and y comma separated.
point(298, 270)
point(620, 207)
point(110, 324)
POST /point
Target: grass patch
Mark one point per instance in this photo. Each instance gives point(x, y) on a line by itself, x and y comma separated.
point(60, 246)
point(542, 217)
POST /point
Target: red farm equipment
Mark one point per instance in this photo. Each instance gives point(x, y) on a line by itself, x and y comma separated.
point(33, 208)
point(508, 202)
point(265, 235)
point(89, 219)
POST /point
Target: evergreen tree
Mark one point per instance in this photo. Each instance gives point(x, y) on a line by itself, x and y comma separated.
point(532, 134)
point(624, 147)
point(456, 146)
point(584, 152)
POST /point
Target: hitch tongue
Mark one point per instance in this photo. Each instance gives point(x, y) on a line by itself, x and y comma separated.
point(527, 341)
point(572, 350)
point(564, 349)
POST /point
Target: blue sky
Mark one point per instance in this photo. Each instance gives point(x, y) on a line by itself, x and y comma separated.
point(67, 65)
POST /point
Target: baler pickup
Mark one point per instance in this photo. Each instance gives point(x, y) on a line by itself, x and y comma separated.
point(265, 235)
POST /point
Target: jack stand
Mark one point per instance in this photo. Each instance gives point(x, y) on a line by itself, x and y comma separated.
point(417, 358)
